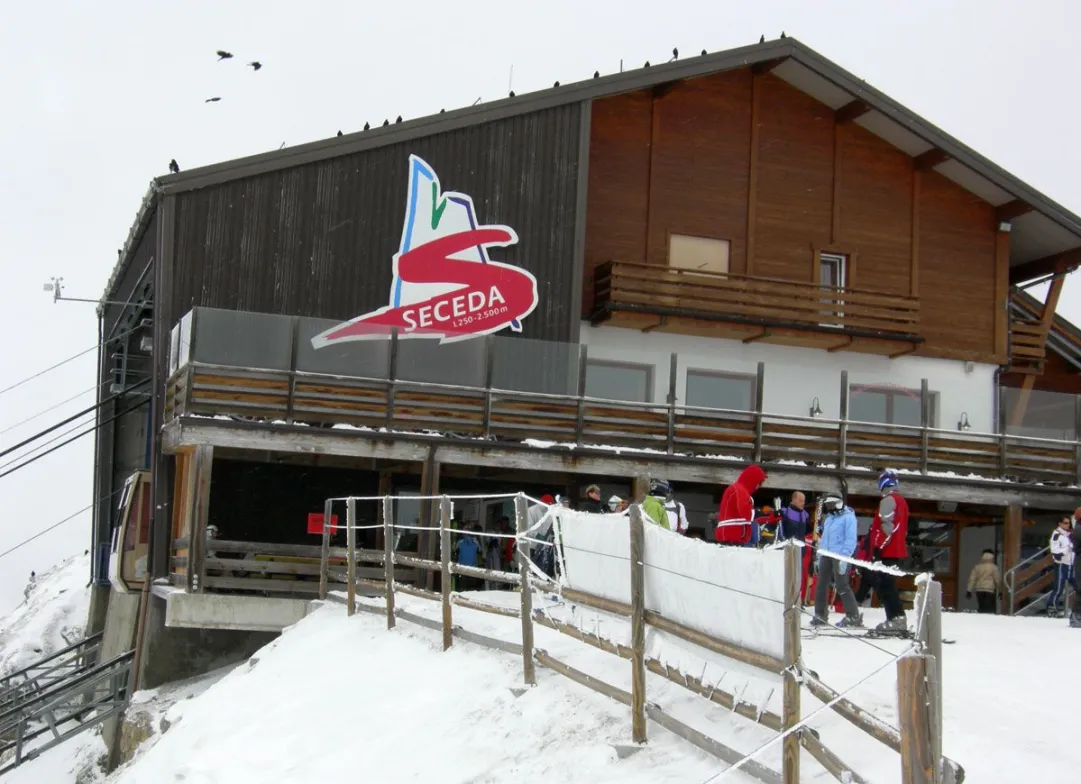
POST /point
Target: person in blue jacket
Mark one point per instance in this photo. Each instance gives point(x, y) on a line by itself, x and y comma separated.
point(838, 536)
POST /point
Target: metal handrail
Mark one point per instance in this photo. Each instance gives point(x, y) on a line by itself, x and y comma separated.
point(86, 642)
point(1010, 577)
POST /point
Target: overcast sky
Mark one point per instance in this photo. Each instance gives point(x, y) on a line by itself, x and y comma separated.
point(97, 97)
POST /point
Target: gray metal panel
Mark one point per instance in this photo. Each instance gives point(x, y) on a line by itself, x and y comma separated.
point(317, 240)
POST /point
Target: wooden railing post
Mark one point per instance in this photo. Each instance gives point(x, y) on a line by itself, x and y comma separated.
point(489, 368)
point(913, 710)
point(579, 427)
point(324, 552)
point(521, 516)
point(759, 397)
point(445, 575)
point(672, 374)
point(842, 432)
point(638, 625)
point(388, 557)
point(791, 711)
point(351, 554)
point(295, 338)
point(925, 422)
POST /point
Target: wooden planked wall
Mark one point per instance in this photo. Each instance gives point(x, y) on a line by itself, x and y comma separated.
point(768, 168)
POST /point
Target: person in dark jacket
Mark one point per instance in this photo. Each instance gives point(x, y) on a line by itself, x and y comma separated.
point(795, 520)
point(735, 517)
point(593, 503)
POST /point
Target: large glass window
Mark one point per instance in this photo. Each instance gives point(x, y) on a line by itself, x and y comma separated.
point(889, 405)
point(619, 381)
point(708, 389)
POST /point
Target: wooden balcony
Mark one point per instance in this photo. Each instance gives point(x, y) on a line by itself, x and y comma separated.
point(650, 296)
point(493, 415)
point(1028, 345)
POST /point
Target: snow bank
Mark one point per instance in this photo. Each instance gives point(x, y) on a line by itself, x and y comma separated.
point(52, 616)
point(731, 593)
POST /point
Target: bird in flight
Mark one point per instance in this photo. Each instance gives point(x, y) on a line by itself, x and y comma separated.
point(255, 65)
point(223, 55)
point(212, 100)
point(173, 166)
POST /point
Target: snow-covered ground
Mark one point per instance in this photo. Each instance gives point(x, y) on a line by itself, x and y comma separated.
point(337, 695)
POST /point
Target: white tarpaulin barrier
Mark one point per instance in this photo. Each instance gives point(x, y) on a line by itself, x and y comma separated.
point(734, 594)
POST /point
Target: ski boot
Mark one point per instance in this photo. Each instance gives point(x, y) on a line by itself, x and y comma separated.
point(895, 627)
point(1075, 620)
point(816, 622)
point(851, 622)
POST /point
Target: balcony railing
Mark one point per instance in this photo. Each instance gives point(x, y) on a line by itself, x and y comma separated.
point(515, 389)
point(650, 289)
point(1028, 341)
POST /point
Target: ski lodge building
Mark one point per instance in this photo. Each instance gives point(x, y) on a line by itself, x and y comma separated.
point(744, 256)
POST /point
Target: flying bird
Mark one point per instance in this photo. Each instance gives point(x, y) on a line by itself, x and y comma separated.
point(224, 55)
point(212, 100)
point(173, 167)
point(255, 65)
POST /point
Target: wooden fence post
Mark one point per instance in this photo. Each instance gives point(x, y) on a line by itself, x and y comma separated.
point(445, 576)
point(351, 553)
point(521, 515)
point(388, 558)
point(638, 625)
point(930, 591)
point(791, 712)
point(324, 553)
point(913, 700)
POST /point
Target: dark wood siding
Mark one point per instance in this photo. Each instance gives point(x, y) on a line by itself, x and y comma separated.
point(317, 240)
point(681, 161)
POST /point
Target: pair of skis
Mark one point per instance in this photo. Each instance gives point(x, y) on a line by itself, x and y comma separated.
point(811, 632)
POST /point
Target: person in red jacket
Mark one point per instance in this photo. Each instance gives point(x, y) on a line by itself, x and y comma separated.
point(737, 504)
point(887, 541)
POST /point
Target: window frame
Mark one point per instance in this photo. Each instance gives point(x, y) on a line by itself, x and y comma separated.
point(750, 377)
point(615, 363)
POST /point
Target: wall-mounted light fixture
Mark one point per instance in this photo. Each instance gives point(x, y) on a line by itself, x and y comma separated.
point(1005, 226)
point(816, 410)
point(962, 423)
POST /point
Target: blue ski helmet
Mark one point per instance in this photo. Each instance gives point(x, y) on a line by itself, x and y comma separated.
point(886, 480)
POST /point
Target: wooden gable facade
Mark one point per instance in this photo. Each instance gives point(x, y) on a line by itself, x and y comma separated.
point(743, 156)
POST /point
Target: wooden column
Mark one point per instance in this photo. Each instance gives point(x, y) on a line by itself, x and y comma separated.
point(790, 713)
point(913, 699)
point(835, 216)
point(1011, 540)
point(638, 625)
point(351, 554)
point(1002, 296)
point(388, 557)
point(914, 267)
point(521, 516)
point(639, 488)
point(324, 550)
point(445, 575)
point(202, 463)
point(752, 172)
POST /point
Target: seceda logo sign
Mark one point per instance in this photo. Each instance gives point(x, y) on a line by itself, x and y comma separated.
point(444, 286)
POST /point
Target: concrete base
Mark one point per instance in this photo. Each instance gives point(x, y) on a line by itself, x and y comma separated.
point(99, 606)
point(232, 612)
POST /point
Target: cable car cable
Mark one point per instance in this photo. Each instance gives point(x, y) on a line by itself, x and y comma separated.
point(41, 373)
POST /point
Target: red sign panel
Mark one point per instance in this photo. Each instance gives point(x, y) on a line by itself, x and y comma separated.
point(315, 522)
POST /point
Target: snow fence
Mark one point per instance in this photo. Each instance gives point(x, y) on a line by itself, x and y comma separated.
point(734, 594)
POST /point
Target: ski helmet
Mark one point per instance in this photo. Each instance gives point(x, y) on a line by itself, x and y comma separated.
point(886, 480)
point(659, 488)
point(833, 502)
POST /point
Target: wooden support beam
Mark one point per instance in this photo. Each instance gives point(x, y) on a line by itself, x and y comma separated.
point(840, 346)
point(791, 712)
point(914, 260)
point(1011, 538)
point(1047, 317)
point(202, 465)
point(764, 333)
point(828, 760)
point(1056, 263)
point(917, 765)
point(869, 723)
point(324, 550)
point(1002, 295)
point(1011, 209)
point(930, 159)
point(638, 625)
point(850, 112)
point(835, 204)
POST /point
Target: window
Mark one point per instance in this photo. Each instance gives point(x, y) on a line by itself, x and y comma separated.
point(704, 254)
point(889, 405)
point(833, 274)
point(721, 390)
point(619, 381)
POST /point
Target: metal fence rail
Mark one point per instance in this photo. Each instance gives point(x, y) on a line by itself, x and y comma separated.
point(47, 671)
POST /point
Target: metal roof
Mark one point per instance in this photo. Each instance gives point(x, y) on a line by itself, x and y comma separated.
point(1049, 229)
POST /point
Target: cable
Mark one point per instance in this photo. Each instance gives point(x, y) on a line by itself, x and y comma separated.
point(73, 438)
point(69, 518)
point(73, 417)
point(41, 373)
point(9, 428)
point(41, 446)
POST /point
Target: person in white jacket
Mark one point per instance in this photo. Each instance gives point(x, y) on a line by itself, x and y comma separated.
point(1063, 555)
